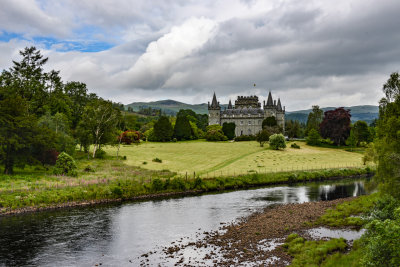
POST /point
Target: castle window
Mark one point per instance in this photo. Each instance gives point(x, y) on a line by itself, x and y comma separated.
point(249, 122)
point(241, 122)
point(259, 122)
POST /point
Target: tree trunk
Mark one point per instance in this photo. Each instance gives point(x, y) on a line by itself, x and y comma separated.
point(119, 144)
point(94, 149)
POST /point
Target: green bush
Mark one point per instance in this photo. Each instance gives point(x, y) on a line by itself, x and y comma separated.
point(157, 184)
point(215, 133)
point(294, 145)
point(197, 183)
point(157, 160)
point(65, 165)
point(277, 141)
point(384, 208)
point(327, 141)
point(382, 246)
point(100, 154)
point(177, 183)
point(245, 138)
point(117, 191)
point(313, 138)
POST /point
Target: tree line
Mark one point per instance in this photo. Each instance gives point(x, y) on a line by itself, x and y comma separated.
point(41, 115)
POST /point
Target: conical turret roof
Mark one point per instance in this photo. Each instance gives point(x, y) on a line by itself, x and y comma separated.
point(230, 104)
point(270, 102)
point(214, 103)
point(279, 106)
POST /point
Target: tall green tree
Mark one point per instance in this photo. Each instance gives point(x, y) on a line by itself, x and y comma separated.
point(182, 129)
point(229, 129)
point(269, 121)
point(100, 118)
point(388, 135)
point(336, 125)
point(16, 131)
point(293, 129)
point(352, 139)
point(314, 119)
point(361, 131)
point(21, 140)
point(28, 79)
point(163, 129)
point(313, 138)
point(263, 136)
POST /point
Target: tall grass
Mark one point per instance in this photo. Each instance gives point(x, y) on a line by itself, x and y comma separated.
point(132, 187)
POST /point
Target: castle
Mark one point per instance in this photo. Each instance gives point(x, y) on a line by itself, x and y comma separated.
point(247, 114)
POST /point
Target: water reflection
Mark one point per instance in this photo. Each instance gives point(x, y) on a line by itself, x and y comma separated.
point(118, 234)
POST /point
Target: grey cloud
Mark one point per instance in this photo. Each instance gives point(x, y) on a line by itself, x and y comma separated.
point(27, 18)
point(305, 52)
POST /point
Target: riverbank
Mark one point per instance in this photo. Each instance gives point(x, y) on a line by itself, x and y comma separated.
point(39, 199)
point(258, 238)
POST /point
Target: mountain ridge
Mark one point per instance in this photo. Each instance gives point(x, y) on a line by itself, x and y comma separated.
point(359, 112)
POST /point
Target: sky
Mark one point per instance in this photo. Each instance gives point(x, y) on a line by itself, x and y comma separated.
point(326, 53)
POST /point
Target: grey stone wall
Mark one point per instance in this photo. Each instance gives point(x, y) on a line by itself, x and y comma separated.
point(245, 125)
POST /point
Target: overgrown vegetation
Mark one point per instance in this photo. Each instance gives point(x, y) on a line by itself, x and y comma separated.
point(41, 190)
point(378, 213)
point(312, 253)
point(346, 214)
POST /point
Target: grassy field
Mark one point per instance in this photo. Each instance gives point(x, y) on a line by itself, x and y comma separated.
point(229, 158)
point(109, 178)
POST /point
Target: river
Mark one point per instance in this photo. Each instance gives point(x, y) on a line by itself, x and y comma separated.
point(118, 234)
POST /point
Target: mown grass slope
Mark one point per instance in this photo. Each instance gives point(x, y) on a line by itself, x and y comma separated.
point(228, 158)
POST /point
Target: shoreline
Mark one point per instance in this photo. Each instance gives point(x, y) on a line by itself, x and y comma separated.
point(163, 195)
point(256, 238)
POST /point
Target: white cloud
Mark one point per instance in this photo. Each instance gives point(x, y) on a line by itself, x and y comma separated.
point(153, 68)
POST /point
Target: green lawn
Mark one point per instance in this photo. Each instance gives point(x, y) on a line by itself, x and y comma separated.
point(228, 158)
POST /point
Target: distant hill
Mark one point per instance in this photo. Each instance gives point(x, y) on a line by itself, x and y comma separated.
point(366, 112)
point(170, 107)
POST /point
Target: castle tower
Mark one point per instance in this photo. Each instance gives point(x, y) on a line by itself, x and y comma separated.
point(214, 111)
point(269, 108)
point(280, 115)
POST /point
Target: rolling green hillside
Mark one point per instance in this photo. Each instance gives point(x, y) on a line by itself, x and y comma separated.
point(366, 112)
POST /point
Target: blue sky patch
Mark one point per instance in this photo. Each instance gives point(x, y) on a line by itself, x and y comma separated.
point(59, 45)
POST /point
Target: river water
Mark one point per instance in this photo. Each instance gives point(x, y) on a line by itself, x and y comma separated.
point(118, 234)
